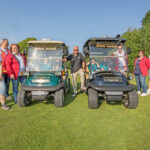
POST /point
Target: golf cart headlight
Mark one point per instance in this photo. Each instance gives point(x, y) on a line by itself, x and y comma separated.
point(40, 80)
point(90, 76)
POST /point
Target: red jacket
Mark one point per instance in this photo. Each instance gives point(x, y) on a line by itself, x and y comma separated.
point(12, 65)
point(144, 65)
point(3, 54)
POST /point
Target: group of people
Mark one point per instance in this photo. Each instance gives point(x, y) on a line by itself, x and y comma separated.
point(141, 68)
point(12, 65)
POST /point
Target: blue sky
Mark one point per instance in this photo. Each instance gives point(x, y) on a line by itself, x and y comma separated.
point(72, 21)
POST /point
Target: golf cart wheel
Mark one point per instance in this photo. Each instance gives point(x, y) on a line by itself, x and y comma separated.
point(59, 98)
point(92, 98)
point(132, 100)
point(24, 98)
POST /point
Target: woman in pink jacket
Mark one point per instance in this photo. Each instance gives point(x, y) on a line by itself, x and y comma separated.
point(141, 66)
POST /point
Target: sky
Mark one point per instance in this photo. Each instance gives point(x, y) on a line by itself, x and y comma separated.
point(71, 21)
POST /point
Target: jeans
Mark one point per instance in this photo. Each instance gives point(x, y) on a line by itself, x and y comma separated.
point(6, 81)
point(140, 82)
point(15, 83)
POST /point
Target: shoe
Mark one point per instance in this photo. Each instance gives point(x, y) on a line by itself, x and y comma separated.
point(148, 91)
point(144, 94)
point(8, 98)
point(5, 107)
point(74, 95)
point(138, 92)
point(111, 102)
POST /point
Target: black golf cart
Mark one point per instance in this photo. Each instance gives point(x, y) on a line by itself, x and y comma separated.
point(108, 72)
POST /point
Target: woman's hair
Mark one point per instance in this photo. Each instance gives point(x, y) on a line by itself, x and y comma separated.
point(13, 45)
point(142, 51)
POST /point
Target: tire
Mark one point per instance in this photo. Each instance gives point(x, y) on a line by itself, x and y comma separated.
point(132, 100)
point(92, 98)
point(59, 98)
point(24, 98)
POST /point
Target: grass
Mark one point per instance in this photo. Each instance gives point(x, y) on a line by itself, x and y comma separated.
point(42, 126)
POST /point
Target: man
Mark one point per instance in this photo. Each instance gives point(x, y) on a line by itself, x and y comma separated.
point(77, 68)
point(4, 51)
point(122, 59)
point(2, 88)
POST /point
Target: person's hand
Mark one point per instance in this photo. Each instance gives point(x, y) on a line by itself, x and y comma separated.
point(64, 59)
point(12, 76)
point(1, 78)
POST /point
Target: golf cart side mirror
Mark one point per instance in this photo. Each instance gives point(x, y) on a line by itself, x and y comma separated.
point(26, 73)
point(86, 51)
point(65, 53)
point(128, 50)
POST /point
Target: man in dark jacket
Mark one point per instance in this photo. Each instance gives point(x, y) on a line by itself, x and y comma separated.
point(77, 68)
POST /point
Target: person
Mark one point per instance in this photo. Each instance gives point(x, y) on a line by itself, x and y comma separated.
point(141, 65)
point(4, 52)
point(2, 88)
point(77, 68)
point(93, 65)
point(122, 58)
point(15, 65)
point(104, 65)
point(149, 78)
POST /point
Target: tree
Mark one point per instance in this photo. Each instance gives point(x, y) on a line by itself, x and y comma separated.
point(146, 19)
point(23, 44)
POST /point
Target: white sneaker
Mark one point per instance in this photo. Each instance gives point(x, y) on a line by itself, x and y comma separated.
point(148, 91)
point(74, 95)
point(144, 94)
point(138, 92)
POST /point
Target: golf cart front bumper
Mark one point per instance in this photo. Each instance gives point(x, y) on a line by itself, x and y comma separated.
point(122, 88)
point(44, 88)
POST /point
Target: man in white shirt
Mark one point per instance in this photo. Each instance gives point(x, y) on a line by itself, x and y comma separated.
point(122, 59)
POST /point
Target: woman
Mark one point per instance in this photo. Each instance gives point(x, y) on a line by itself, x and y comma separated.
point(2, 89)
point(15, 65)
point(141, 66)
point(149, 78)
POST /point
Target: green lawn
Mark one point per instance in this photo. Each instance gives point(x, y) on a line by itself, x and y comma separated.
point(42, 126)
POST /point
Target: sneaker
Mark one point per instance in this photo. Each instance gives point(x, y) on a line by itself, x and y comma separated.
point(8, 98)
point(111, 102)
point(144, 94)
point(138, 92)
point(74, 95)
point(5, 107)
point(148, 91)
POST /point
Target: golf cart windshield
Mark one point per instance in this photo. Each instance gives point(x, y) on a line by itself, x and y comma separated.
point(106, 56)
point(44, 60)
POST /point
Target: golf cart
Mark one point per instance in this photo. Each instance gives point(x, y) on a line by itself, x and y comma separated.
point(46, 74)
point(107, 77)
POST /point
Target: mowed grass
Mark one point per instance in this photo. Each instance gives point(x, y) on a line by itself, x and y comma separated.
point(42, 126)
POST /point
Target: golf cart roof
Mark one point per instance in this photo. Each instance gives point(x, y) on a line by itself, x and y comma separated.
point(105, 38)
point(48, 44)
